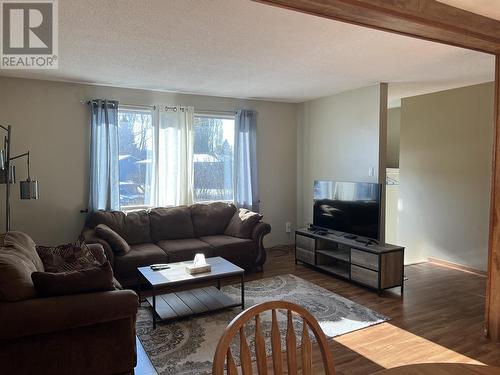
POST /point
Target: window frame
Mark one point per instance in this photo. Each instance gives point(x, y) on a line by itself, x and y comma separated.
point(152, 110)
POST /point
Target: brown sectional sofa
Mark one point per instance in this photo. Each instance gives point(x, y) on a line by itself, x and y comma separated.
point(88, 333)
point(174, 234)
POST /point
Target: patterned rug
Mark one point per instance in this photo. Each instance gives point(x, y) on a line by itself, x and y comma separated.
point(187, 346)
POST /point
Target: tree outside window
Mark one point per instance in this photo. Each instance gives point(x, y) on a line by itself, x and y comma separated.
point(135, 155)
point(213, 158)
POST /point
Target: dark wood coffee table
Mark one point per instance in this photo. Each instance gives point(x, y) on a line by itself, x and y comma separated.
point(179, 304)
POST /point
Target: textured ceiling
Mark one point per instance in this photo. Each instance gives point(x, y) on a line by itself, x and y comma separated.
point(239, 48)
point(487, 8)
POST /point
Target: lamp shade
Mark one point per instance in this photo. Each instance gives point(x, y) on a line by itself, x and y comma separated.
point(12, 175)
point(29, 189)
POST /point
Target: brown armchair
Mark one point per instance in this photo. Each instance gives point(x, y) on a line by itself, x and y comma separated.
point(90, 333)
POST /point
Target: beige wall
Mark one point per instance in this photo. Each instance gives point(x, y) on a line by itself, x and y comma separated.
point(393, 129)
point(49, 120)
point(391, 214)
point(445, 170)
point(338, 139)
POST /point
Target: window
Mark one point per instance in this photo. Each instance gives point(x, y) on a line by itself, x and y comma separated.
point(213, 158)
point(135, 143)
point(151, 158)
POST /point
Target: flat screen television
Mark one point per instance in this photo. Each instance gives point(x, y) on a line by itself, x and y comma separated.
point(349, 207)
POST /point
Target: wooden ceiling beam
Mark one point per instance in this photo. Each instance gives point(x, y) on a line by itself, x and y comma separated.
point(425, 19)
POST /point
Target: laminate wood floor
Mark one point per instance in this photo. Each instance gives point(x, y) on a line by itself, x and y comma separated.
point(439, 319)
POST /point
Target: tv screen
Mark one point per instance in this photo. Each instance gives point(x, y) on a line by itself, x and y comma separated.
point(349, 207)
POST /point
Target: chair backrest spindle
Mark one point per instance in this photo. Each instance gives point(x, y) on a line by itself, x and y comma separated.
point(276, 345)
point(306, 350)
point(260, 348)
point(291, 345)
point(231, 366)
point(245, 357)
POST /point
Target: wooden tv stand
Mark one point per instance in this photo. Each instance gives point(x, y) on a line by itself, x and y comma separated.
point(378, 267)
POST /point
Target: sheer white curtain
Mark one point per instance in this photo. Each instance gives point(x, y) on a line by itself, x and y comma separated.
point(172, 177)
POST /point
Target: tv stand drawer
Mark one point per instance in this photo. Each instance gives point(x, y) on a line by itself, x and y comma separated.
point(364, 276)
point(306, 243)
point(365, 259)
point(305, 256)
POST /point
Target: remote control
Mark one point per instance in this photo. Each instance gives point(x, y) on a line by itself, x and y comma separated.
point(160, 266)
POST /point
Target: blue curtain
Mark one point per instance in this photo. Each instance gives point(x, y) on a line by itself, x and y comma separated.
point(104, 174)
point(246, 181)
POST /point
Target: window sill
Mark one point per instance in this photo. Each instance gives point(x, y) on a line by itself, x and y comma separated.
point(218, 200)
point(138, 208)
point(135, 208)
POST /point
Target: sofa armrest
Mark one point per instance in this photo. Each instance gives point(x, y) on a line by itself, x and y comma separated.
point(91, 237)
point(43, 315)
point(260, 230)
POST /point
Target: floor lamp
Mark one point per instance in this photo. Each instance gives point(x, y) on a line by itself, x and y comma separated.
point(28, 189)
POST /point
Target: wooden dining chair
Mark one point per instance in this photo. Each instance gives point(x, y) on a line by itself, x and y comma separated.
point(223, 355)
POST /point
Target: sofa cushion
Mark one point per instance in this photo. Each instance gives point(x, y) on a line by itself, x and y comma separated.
point(18, 260)
point(97, 279)
point(113, 219)
point(139, 255)
point(117, 243)
point(68, 257)
point(185, 249)
point(212, 218)
point(171, 223)
point(137, 227)
point(132, 226)
point(242, 223)
point(239, 251)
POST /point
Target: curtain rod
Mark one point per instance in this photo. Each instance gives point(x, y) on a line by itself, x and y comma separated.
point(83, 101)
point(214, 110)
point(200, 111)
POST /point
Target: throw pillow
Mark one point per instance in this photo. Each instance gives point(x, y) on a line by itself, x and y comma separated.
point(117, 243)
point(97, 279)
point(242, 223)
point(98, 252)
point(68, 257)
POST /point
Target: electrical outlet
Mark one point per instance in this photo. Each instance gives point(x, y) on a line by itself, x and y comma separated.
point(371, 171)
point(288, 227)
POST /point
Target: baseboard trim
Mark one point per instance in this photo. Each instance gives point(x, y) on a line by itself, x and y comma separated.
point(456, 266)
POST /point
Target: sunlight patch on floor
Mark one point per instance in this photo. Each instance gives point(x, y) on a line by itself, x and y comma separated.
point(332, 328)
point(389, 346)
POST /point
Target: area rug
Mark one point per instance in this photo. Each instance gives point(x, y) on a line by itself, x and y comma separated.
point(187, 346)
